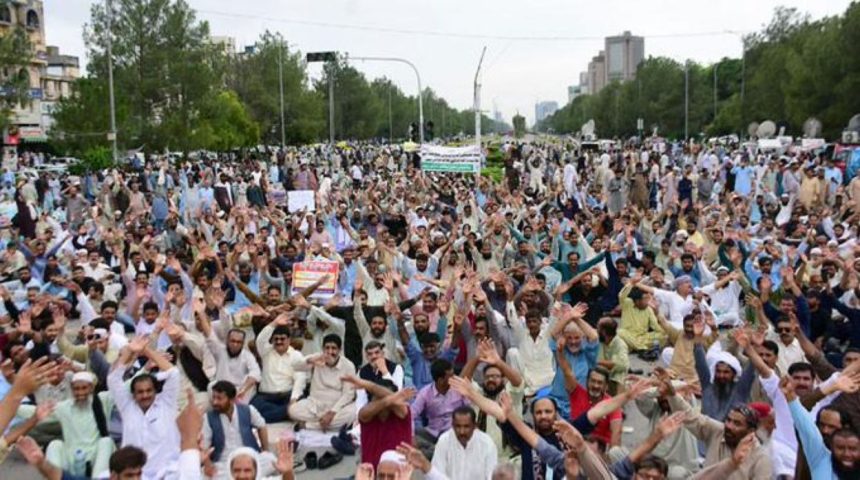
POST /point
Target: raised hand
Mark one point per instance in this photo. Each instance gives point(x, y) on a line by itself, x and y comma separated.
point(138, 344)
point(671, 423)
point(286, 451)
point(31, 451)
point(33, 375)
point(365, 472)
point(741, 337)
point(786, 384)
point(461, 386)
point(414, 457)
point(848, 383)
point(487, 352)
point(568, 434)
point(742, 451)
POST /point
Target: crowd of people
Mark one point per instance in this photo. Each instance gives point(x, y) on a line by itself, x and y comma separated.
point(477, 328)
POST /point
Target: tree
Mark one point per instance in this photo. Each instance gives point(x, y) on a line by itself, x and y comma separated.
point(357, 112)
point(519, 122)
point(255, 77)
point(224, 124)
point(165, 71)
point(15, 55)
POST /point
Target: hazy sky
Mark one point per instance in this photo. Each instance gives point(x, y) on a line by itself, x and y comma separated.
point(517, 72)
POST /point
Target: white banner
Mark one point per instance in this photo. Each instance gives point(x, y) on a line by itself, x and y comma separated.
point(301, 199)
point(435, 158)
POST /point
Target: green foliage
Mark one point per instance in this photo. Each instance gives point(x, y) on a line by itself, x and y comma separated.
point(165, 72)
point(15, 54)
point(94, 159)
point(793, 69)
point(494, 173)
point(224, 124)
point(519, 122)
point(255, 76)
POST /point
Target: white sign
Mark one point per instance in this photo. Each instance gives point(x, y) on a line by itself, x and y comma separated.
point(299, 199)
point(435, 158)
point(812, 143)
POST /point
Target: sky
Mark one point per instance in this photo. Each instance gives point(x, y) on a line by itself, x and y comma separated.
point(535, 49)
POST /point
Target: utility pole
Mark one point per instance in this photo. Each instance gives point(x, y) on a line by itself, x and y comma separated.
point(478, 101)
point(716, 65)
point(390, 127)
point(281, 86)
point(112, 134)
point(686, 100)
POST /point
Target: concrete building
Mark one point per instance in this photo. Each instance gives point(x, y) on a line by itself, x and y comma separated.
point(227, 45)
point(57, 82)
point(596, 73)
point(51, 75)
point(624, 53)
point(544, 110)
point(27, 119)
point(574, 91)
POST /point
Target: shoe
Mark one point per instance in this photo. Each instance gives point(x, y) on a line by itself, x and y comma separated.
point(311, 460)
point(299, 466)
point(343, 445)
point(329, 459)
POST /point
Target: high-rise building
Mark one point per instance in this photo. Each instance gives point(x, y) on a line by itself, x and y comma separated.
point(624, 53)
point(544, 110)
point(574, 91)
point(597, 73)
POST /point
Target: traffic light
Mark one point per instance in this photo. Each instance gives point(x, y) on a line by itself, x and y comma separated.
point(428, 130)
point(312, 57)
point(413, 132)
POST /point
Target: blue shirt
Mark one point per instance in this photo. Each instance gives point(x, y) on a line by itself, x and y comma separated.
point(817, 455)
point(421, 366)
point(581, 363)
point(743, 180)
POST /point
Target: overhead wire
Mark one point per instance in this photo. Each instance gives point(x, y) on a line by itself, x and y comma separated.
point(448, 34)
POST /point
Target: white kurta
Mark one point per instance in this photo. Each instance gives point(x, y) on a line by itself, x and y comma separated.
point(154, 431)
point(476, 461)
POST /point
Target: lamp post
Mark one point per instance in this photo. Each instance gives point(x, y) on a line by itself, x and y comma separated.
point(328, 57)
point(417, 76)
point(281, 86)
point(112, 134)
point(478, 100)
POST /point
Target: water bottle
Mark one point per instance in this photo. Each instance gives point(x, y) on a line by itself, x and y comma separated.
point(79, 466)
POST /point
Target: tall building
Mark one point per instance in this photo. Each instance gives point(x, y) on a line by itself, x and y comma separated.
point(57, 82)
point(597, 73)
point(225, 44)
point(544, 110)
point(26, 124)
point(624, 53)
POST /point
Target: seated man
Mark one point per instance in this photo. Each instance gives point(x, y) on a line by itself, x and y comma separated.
point(639, 327)
point(281, 385)
point(331, 402)
point(84, 422)
point(434, 405)
point(233, 362)
point(230, 426)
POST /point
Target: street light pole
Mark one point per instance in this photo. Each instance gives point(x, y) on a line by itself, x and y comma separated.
point(478, 101)
point(420, 90)
point(686, 100)
point(331, 109)
point(390, 124)
point(112, 135)
point(281, 87)
point(716, 65)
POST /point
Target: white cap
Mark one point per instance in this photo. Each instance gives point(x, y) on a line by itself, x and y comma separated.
point(84, 377)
